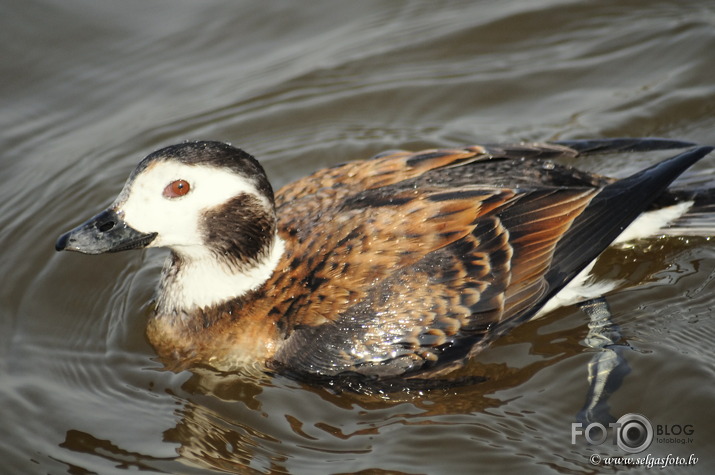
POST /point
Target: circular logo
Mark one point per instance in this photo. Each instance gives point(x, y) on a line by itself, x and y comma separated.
point(634, 434)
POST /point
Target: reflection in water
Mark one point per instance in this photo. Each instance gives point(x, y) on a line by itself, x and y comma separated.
point(608, 366)
point(208, 440)
point(78, 441)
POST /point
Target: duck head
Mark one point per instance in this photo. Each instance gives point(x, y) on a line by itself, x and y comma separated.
point(179, 197)
point(209, 202)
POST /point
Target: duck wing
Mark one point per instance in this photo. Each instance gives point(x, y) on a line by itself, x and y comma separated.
point(412, 264)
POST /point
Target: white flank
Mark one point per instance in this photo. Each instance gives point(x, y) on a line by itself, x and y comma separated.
point(580, 289)
point(583, 287)
point(651, 223)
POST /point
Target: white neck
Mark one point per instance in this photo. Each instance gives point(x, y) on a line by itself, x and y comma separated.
point(204, 281)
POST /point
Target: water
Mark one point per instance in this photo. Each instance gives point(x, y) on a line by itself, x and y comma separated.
point(88, 88)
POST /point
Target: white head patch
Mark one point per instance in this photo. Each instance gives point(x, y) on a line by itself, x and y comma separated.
point(177, 221)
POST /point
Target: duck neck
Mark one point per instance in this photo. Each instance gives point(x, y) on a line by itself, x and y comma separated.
point(191, 282)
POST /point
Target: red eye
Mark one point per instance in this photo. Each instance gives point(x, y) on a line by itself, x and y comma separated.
point(177, 188)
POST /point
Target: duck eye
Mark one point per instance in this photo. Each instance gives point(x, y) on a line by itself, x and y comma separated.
point(176, 189)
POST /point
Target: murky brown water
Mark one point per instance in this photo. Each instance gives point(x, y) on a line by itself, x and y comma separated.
point(89, 87)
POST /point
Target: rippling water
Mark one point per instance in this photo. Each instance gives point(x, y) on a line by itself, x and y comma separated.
point(88, 88)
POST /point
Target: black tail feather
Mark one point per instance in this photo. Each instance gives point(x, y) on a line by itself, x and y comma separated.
point(646, 144)
point(610, 212)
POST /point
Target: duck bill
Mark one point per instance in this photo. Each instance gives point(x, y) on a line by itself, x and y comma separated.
point(106, 232)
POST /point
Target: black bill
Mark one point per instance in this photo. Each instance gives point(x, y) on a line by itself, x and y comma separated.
point(106, 232)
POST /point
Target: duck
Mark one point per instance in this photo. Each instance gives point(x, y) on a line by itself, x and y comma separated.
point(403, 265)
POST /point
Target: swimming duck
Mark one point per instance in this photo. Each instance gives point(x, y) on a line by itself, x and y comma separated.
point(403, 265)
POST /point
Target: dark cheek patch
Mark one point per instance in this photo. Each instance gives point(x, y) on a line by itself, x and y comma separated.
point(241, 229)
